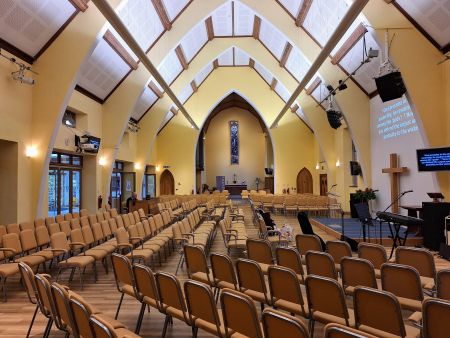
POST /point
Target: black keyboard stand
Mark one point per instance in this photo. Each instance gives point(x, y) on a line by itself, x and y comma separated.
point(397, 240)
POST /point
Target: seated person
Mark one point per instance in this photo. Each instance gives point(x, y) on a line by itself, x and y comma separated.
point(270, 224)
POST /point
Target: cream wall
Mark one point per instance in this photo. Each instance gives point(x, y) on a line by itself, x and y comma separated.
point(15, 114)
point(252, 149)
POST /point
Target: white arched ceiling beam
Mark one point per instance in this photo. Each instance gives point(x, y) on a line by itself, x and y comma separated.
point(52, 92)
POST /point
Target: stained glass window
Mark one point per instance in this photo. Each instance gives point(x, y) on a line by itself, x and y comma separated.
point(234, 142)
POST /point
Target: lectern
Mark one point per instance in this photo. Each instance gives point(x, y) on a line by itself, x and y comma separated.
point(433, 230)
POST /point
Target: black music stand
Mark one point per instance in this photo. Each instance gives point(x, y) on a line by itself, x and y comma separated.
point(363, 212)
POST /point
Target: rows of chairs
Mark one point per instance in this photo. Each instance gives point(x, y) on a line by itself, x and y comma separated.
point(319, 205)
point(66, 309)
point(234, 233)
point(78, 241)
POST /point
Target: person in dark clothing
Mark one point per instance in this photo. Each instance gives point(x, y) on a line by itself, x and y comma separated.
point(270, 224)
point(132, 199)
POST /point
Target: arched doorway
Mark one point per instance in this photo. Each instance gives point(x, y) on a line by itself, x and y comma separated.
point(166, 183)
point(304, 182)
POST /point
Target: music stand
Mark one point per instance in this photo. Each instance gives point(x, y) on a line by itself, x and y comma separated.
point(363, 212)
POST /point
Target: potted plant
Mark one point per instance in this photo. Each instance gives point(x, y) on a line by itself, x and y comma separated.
point(365, 195)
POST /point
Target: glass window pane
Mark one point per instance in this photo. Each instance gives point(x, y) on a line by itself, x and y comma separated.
point(65, 159)
point(234, 138)
point(76, 190)
point(151, 185)
point(52, 192)
point(64, 191)
point(54, 158)
point(76, 160)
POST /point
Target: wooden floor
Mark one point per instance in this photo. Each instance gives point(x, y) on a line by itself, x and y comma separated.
point(15, 315)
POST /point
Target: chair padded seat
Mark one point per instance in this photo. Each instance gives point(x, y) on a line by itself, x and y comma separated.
point(416, 317)
point(47, 254)
point(427, 282)
point(238, 244)
point(31, 260)
point(141, 253)
point(410, 304)
point(114, 323)
point(326, 318)
point(125, 333)
point(292, 307)
point(211, 327)
point(150, 301)
point(411, 332)
point(9, 269)
point(78, 261)
point(226, 285)
point(258, 296)
point(264, 267)
point(129, 290)
point(203, 277)
point(97, 253)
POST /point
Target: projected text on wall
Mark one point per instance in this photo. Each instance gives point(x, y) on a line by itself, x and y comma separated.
point(396, 119)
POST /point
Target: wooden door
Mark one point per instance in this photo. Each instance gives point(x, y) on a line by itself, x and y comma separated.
point(323, 184)
point(166, 183)
point(304, 182)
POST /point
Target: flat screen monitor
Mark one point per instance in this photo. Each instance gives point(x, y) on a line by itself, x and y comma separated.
point(433, 159)
point(355, 168)
point(269, 171)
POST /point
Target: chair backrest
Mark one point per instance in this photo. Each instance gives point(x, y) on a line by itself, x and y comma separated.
point(357, 272)
point(285, 285)
point(260, 251)
point(321, 264)
point(250, 276)
point(435, 314)
point(84, 221)
point(12, 241)
point(338, 250)
point(289, 258)
point(421, 259)
point(45, 299)
point(170, 293)
point(65, 227)
point(39, 222)
point(75, 223)
point(307, 243)
point(49, 220)
point(239, 314)
point(54, 228)
point(334, 330)
point(27, 275)
point(379, 310)
point(13, 228)
point(68, 216)
point(81, 317)
point(326, 295)
point(443, 284)
point(223, 269)
point(276, 323)
point(375, 253)
point(201, 305)
point(101, 328)
point(26, 226)
point(28, 240)
point(123, 271)
point(61, 300)
point(42, 236)
point(59, 218)
point(401, 280)
point(195, 259)
point(146, 283)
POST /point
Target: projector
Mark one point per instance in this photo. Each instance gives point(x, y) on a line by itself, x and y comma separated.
point(87, 146)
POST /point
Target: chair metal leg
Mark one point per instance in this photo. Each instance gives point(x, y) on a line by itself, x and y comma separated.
point(48, 328)
point(140, 318)
point(72, 272)
point(57, 275)
point(5, 297)
point(194, 331)
point(32, 320)
point(81, 277)
point(118, 307)
point(95, 271)
point(166, 322)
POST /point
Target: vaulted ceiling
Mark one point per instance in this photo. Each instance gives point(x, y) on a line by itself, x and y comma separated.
point(28, 27)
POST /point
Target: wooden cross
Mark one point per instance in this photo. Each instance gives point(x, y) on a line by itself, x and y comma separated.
point(395, 172)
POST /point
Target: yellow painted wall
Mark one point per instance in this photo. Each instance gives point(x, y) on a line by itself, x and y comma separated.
point(15, 113)
point(252, 149)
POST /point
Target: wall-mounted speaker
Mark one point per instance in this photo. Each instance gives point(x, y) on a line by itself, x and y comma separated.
point(390, 86)
point(334, 118)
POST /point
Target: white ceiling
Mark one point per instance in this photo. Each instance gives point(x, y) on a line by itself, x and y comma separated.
point(226, 58)
point(222, 20)
point(292, 6)
point(146, 100)
point(184, 95)
point(102, 71)
point(203, 74)
point(432, 15)
point(28, 25)
point(170, 67)
point(173, 7)
point(243, 20)
point(194, 40)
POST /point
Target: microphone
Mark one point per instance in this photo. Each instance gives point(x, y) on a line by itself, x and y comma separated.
point(408, 191)
point(376, 190)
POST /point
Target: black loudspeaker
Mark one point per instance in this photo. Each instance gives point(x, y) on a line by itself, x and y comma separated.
point(355, 168)
point(353, 244)
point(444, 251)
point(390, 86)
point(334, 118)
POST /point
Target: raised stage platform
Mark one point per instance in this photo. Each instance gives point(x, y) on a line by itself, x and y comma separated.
point(353, 229)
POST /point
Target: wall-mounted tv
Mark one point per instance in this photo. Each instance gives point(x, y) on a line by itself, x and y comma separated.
point(355, 168)
point(433, 159)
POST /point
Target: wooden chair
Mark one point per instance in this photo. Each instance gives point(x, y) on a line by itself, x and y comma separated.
point(197, 266)
point(326, 302)
point(239, 314)
point(102, 329)
point(338, 250)
point(285, 291)
point(27, 275)
point(276, 323)
point(307, 243)
point(357, 272)
point(378, 313)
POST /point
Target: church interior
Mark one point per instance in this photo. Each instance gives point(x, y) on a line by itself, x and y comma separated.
point(225, 168)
